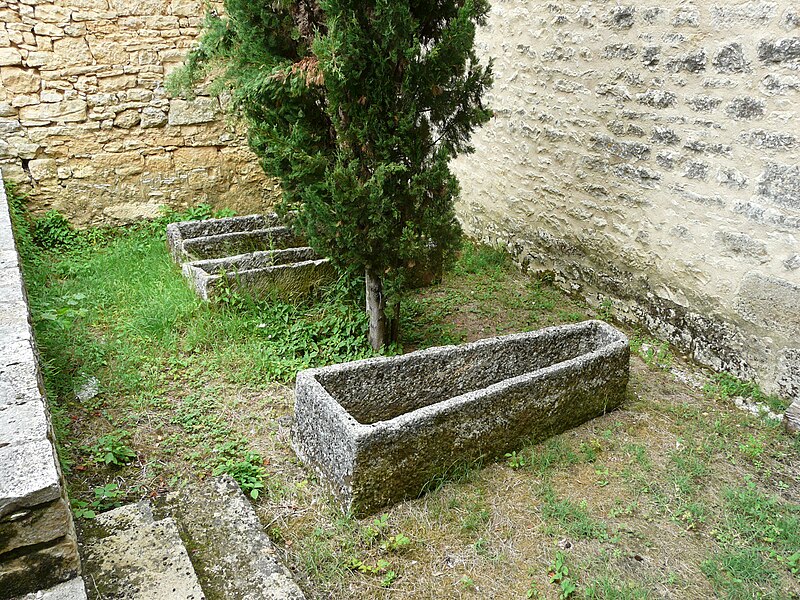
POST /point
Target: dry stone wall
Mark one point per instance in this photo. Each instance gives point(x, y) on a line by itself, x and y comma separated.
point(87, 127)
point(649, 154)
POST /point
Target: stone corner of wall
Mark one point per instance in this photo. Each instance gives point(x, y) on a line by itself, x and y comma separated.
point(38, 545)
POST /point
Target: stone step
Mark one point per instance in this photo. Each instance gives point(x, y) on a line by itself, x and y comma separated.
point(128, 555)
point(69, 590)
point(233, 557)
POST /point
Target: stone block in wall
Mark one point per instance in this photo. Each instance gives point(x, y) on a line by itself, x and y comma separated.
point(153, 117)
point(71, 51)
point(139, 7)
point(770, 302)
point(28, 527)
point(43, 169)
point(10, 57)
point(41, 568)
point(202, 109)
point(50, 13)
point(19, 81)
point(30, 476)
point(780, 184)
point(70, 111)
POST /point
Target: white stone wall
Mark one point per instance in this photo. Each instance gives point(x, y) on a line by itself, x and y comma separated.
point(85, 123)
point(649, 154)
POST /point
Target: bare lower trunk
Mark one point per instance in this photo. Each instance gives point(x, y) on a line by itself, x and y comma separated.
point(382, 329)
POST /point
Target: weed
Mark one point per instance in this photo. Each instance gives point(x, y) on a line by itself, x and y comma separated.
point(111, 449)
point(573, 519)
point(514, 460)
point(246, 467)
point(726, 386)
point(533, 592)
point(54, 232)
point(396, 543)
point(605, 310)
point(753, 447)
point(559, 575)
point(105, 498)
point(654, 353)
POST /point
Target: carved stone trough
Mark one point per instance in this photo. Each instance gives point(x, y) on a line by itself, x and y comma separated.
point(381, 430)
point(290, 273)
point(253, 253)
point(231, 236)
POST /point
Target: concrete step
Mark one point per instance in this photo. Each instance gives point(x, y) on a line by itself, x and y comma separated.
point(128, 555)
point(233, 557)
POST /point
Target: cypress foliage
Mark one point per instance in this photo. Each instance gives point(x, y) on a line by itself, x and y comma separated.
point(357, 107)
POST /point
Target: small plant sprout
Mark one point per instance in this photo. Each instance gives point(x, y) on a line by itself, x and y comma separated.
point(559, 575)
point(515, 461)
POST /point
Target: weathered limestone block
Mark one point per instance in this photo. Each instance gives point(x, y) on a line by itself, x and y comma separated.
point(127, 119)
point(230, 551)
point(41, 568)
point(792, 417)
point(28, 527)
point(9, 57)
point(43, 169)
point(153, 117)
point(379, 430)
point(289, 274)
point(51, 13)
point(202, 109)
point(22, 423)
point(70, 51)
point(139, 7)
point(69, 590)
point(19, 81)
point(770, 302)
point(29, 477)
point(68, 111)
point(124, 213)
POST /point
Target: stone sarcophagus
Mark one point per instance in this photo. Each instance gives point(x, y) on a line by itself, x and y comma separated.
point(253, 254)
point(230, 236)
point(380, 430)
point(290, 273)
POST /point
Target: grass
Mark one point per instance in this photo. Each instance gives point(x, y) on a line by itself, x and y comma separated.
point(678, 494)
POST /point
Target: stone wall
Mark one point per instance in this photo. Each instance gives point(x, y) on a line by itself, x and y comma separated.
point(85, 123)
point(649, 154)
point(38, 547)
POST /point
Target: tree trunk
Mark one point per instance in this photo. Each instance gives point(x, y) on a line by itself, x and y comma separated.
point(382, 329)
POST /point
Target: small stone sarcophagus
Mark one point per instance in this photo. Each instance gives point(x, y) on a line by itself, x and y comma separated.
point(290, 273)
point(253, 254)
point(380, 430)
point(231, 236)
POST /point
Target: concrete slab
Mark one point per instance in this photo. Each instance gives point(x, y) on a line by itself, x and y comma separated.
point(232, 555)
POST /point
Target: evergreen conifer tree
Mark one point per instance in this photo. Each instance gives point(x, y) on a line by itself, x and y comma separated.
point(357, 107)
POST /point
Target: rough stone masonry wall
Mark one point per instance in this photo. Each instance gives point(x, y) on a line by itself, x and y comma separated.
point(86, 123)
point(649, 154)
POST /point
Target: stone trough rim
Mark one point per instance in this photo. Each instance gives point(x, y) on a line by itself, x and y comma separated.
point(361, 431)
